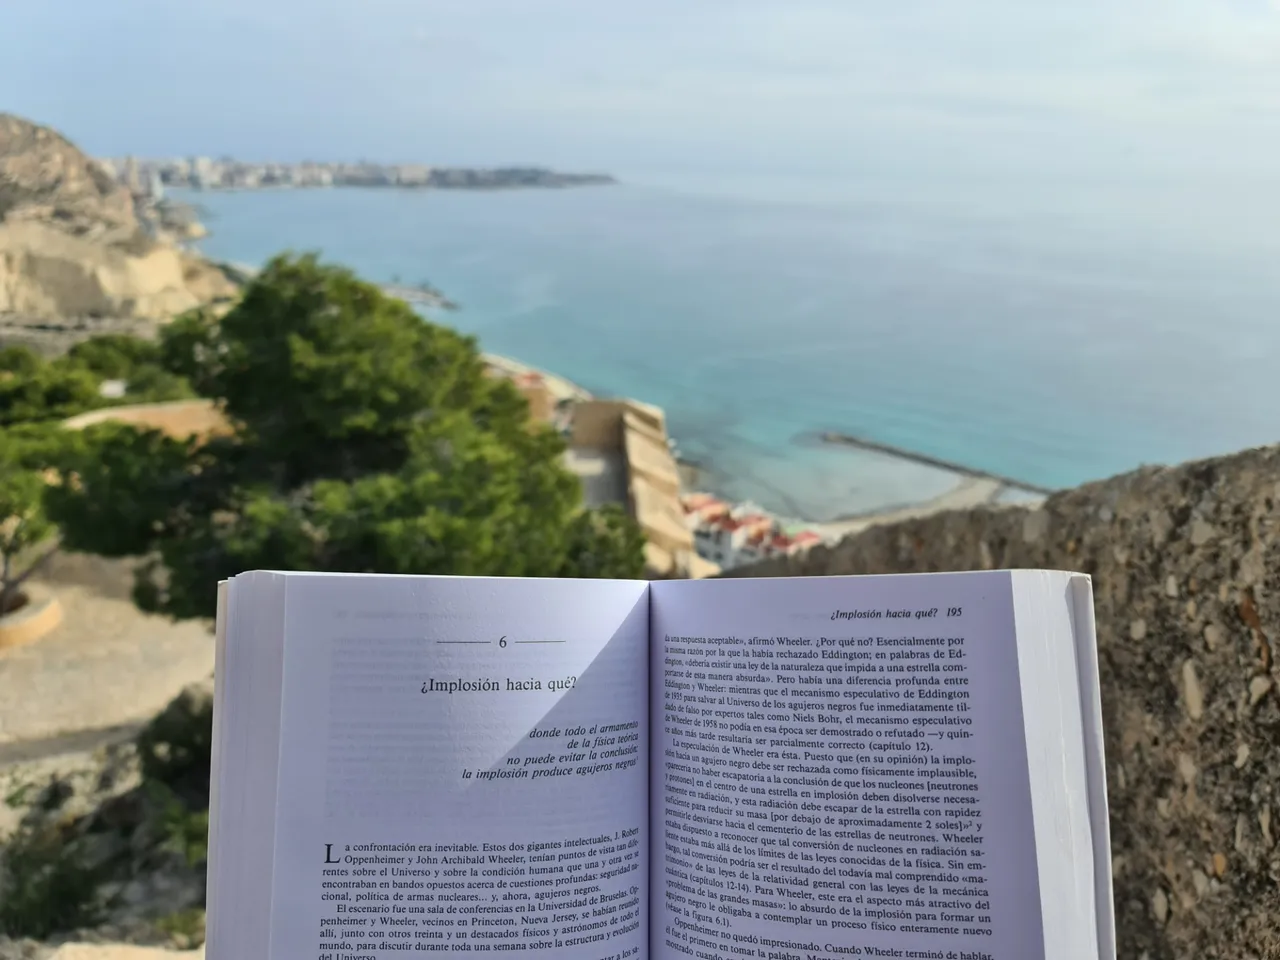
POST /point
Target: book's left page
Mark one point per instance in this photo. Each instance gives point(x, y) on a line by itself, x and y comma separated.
point(462, 768)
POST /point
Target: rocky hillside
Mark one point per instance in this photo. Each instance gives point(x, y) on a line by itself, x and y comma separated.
point(72, 245)
point(1186, 569)
point(45, 179)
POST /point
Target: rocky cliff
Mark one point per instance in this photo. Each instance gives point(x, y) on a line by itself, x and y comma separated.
point(71, 243)
point(1186, 569)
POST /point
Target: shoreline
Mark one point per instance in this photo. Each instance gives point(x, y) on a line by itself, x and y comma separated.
point(969, 489)
point(966, 488)
point(560, 387)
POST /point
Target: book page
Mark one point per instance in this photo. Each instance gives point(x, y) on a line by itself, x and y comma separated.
point(839, 770)
point(463, 768)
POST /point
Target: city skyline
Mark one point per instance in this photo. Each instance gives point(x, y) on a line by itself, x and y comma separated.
point(997, 89)
point(148, 176)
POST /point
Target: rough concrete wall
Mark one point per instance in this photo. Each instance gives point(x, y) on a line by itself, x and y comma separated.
point(1186, 570)
point(597, 424)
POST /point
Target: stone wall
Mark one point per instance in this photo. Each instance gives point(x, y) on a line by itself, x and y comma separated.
point(1186, 569)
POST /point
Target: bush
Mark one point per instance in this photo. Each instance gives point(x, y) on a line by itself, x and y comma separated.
point(45, 886)
point(174, 748)
point(365, 440)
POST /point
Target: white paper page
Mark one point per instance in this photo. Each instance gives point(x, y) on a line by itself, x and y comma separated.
point(832, 779)
point(462, 768)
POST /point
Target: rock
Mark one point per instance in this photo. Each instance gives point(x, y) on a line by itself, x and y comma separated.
point(1259, 687)
point(1214, 636)
point(1253, 568)
point(121, 951)
point(71, 242)
point(23, 949)
point(1137, 629)
point(1242, 755)
point(1201, 532)
point(44, 177)
point(1171, 586)
point(1186, 768)
point(1035, 526)
point(1160, 906)
point(1193, 694)
point(1200, 882)
point(46, 273)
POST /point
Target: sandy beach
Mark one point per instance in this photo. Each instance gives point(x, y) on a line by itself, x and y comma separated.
point(560, 388)
point(968, 492)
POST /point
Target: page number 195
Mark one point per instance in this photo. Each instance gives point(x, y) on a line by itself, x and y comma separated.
point(953, 611)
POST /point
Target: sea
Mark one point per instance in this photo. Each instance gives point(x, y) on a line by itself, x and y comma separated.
point(1051, 337)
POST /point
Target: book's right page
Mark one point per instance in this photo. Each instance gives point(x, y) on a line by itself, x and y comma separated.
point(839, 769)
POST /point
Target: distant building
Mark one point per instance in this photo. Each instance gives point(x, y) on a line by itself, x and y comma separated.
point(413, 175)
point(620, 450)
point(202, 173)
point(735, 536)
point(132, 178)
point(542, 402)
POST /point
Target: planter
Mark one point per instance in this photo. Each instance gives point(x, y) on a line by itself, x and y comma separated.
point(34, 619)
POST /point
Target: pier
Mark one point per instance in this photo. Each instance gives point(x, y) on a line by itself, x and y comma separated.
point(874, 446)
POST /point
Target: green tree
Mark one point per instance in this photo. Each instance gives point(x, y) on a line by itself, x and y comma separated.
point(24, 528)
point(364, 439)
point(137, 362)
point(31, 455)
point(115, 356)
point(33, 389)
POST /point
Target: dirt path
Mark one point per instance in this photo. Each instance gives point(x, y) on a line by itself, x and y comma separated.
point(106, 668)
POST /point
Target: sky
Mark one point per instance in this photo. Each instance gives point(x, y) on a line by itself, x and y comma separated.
point(1091, 90)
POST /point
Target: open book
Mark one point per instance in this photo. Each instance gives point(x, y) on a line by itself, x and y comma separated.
point(789, 769)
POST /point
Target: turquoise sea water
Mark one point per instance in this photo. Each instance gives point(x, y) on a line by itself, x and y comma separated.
point(1047, 347)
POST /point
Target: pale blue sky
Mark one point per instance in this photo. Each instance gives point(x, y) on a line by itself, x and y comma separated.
point(1111, 89)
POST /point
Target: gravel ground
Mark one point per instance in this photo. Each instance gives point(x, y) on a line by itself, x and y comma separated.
point(107, 667)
